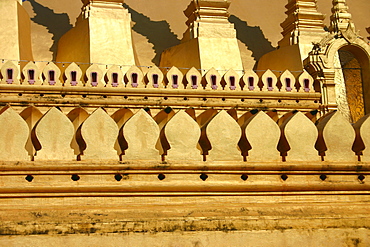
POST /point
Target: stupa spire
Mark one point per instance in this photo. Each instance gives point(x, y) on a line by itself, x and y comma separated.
point(209, 32)
point(340, 19)
point(201, 11)
point(15, 30)
point(304, 24)
point(102, 35)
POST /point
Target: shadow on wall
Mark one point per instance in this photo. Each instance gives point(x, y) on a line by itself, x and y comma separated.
point(252, 37)
point(57, 24)
point(158, 33)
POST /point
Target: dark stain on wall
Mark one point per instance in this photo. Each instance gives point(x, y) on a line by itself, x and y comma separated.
point(56, 24)
point(158, 33)
point(252, 37)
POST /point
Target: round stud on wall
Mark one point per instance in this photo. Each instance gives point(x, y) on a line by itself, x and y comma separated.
point(203, 176)
point(118, 177)
point(161, 176)
point(29, 178)
point(361, 177)
point(75, 177)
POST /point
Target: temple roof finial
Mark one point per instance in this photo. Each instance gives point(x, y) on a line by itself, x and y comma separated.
point(340, 19)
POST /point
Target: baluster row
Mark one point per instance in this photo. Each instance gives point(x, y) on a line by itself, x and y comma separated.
point(115, 76)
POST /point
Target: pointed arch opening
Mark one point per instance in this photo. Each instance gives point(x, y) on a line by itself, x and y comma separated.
point(354, 65)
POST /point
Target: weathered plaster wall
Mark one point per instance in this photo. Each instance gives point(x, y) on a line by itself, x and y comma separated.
point(159, 24)
point(281, 220)
point(300, 218)
point(327, 237)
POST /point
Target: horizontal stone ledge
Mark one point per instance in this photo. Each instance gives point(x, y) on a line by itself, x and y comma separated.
point(88, 222)
point(160, 92)
point(292, 194)
point(185, 201)
point(157, 171)
point(107, 102)
point(194, 167)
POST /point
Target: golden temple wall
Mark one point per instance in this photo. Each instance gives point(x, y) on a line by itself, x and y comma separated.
point(104, 153)
point(91, 177)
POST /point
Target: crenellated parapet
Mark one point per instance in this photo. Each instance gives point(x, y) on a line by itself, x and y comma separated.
point(179, 135)
point(170, 156)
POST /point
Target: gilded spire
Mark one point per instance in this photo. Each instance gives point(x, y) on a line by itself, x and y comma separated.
point(206, 11)
point(340, 19)
point(303, 20)
point(209, 32)
point(102, 34)
point(15, 30)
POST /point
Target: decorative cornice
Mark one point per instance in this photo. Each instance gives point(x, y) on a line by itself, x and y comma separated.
point(267, 178)
point(125, 97)
point(88, 4)
point(85, 2)
point(207, 10)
